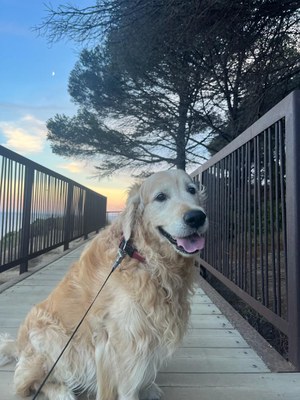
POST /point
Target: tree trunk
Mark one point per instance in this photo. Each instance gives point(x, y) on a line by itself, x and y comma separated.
point(181, 132)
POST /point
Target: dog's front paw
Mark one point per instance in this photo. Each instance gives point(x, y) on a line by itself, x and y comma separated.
point(152, 392)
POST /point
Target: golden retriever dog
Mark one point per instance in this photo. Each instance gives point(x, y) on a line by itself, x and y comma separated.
point(140, 316)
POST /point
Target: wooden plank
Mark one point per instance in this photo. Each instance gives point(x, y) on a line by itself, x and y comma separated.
point(51, 274)
point(212, 342)
point(9, 322)
point(51, 282)
point(15, 310)
point(276, 381)
point(8, 367)
point(200, 299)
point(6, 386)
point(232, 393)
point(217, 333)
point(209, 322)
point(210, 366)
point(204, 309)
point(20, 292)
point(199, 353)
point(199, 292)
point(215, 365)
point(214, 338)
point(10, 304)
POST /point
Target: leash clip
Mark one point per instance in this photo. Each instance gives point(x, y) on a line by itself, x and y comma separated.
point(121, 255)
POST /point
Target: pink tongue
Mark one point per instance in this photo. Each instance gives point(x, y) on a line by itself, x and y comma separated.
point(191, 243)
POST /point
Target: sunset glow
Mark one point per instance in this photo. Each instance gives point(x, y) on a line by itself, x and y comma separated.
point(116, 197)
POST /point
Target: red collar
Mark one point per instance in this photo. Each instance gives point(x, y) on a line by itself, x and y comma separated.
point(130, 250)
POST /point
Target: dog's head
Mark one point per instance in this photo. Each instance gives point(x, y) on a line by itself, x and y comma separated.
point(168, 206)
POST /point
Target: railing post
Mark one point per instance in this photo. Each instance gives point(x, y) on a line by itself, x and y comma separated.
point(25, 231)
point(293, 226)
point(68, 217)
point(86, 213)
point(103, 210)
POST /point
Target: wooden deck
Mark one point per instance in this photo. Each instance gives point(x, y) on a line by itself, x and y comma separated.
point(213, 363)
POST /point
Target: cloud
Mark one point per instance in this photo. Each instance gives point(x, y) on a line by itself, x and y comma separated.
point(26, 135)
point(75, 167)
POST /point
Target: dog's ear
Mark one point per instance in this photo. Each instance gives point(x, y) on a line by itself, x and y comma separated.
point(131, 209)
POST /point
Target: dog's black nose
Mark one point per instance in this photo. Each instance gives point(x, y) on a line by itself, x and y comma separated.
point(194, 218)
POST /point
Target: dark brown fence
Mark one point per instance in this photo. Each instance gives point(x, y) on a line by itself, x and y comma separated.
point(253, 243)
point(41, 210)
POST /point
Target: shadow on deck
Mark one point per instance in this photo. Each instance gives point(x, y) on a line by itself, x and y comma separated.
point(214, 362)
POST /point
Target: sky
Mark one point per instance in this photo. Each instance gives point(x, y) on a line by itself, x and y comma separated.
point(34, 87)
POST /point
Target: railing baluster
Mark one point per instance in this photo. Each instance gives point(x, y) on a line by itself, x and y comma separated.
point(68, 217)
point(25, 232)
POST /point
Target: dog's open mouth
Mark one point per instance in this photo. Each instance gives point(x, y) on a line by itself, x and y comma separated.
point(188, 245)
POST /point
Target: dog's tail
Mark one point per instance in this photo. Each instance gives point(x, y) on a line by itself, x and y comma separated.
point(8, 349)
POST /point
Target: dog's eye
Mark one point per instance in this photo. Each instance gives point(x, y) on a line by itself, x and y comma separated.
point(161, 197)
point(191, 190)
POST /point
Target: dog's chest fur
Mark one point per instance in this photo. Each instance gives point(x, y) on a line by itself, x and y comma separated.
point(140, 332)
point(144, 317)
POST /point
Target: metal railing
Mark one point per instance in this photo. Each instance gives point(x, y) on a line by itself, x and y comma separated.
point(41, 210)
point(253, 242)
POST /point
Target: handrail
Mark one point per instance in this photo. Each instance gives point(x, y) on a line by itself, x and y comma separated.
point(41, 210)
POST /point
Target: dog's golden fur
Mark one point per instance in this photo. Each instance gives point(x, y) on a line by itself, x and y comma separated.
point(137, 321)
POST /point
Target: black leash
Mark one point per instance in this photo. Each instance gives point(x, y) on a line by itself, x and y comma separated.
point(121, 255)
